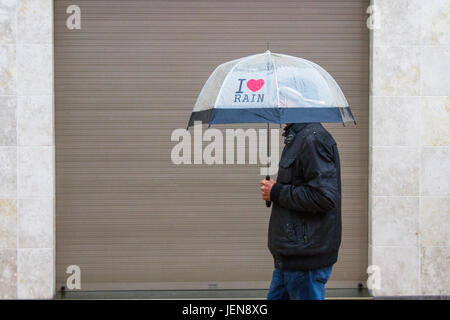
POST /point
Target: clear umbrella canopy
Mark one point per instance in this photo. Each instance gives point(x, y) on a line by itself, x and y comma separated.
point(270, 87)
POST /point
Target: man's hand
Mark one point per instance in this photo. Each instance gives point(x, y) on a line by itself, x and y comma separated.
point(266, 186)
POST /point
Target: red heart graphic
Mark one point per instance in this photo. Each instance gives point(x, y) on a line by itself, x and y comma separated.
point(255, 85)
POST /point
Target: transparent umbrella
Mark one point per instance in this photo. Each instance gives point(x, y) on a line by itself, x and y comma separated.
point(270, 88)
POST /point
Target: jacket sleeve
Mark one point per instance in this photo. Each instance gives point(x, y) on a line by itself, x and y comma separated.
point(320, 192)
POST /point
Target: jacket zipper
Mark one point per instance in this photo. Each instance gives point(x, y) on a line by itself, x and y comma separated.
point(305, 232)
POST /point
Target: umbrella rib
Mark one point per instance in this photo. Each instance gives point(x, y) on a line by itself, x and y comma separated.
point(276, 84)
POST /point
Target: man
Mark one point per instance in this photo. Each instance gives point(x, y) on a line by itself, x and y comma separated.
point(305, 224)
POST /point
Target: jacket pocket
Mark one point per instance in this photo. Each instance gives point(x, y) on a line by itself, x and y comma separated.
point(286, 162)
point(285, 172)
point(291, 231)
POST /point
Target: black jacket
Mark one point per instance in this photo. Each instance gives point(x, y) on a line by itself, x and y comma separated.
point(305, 224)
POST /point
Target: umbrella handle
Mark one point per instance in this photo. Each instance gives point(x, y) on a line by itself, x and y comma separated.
point(268, 203)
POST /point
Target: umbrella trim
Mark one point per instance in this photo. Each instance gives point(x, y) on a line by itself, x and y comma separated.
point(204, 116)
point(325, 114)
point(271, 115)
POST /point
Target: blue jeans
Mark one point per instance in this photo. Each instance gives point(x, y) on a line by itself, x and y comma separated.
point(299, 285)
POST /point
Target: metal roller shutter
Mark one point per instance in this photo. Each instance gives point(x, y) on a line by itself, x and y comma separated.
point(124, 213)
